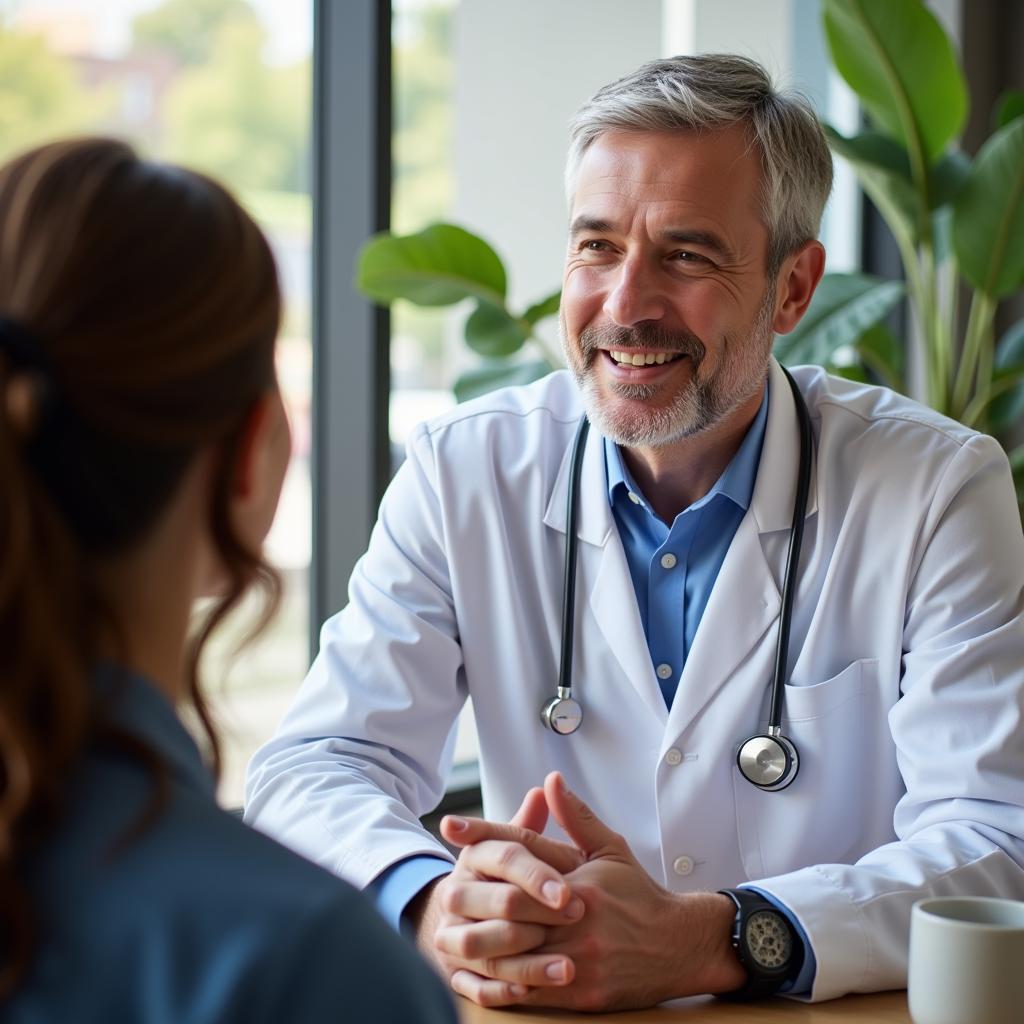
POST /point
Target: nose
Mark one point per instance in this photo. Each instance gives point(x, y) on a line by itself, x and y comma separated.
point(636, 295)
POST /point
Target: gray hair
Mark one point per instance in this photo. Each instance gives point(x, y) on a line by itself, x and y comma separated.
point(710, 91)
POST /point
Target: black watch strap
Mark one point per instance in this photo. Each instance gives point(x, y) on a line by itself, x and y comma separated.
point(761, 981)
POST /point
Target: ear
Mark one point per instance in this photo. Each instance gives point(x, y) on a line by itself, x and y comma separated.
point(795, 285)
point(259, 466)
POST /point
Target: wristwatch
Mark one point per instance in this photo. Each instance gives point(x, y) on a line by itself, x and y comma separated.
point(766, 945)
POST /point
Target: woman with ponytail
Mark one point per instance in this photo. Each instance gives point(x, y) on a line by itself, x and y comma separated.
point(142, 448)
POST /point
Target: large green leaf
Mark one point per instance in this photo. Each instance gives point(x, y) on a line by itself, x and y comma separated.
point(882, 168)
point(843, 308)
point(1009, 107)
point(1007, 410)
point(988, 221)
point(546, 307)
point(494, 332)
point(948, 178)
point(882, 353)
point(482, 379)
point(1010, 350)
point(895, 55)
point(438, 266)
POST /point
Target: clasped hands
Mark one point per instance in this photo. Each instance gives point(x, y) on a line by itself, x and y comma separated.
point(527, 919)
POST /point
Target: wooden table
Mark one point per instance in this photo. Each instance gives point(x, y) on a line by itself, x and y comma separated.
point(880, 1008)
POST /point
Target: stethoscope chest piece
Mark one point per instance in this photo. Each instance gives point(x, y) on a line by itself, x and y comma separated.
point(562, 714)
point(768, 761)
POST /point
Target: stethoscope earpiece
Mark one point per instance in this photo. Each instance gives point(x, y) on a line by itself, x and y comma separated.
point(768, 761)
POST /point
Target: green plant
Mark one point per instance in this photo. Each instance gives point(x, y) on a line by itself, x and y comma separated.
point(444, 265)
point(956, 221)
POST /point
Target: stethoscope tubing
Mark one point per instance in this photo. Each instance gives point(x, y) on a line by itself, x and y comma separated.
point(796, 539)
point(569, 577)
point(789, 588)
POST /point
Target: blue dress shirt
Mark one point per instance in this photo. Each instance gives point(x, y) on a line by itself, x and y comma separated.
point(673, 569)
point(198, 918)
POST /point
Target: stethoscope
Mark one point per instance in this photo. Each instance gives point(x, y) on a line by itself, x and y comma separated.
point(768, 760)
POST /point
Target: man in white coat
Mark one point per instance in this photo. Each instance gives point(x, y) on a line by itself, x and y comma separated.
point(696, 194)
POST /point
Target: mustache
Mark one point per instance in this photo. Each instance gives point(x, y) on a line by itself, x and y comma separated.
point(643, 336)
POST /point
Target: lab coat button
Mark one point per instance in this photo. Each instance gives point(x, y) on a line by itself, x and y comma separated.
point(668, 561)
point(683, 865)
point(664, 671)
point(674, 756)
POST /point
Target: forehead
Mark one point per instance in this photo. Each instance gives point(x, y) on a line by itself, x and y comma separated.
point(713, 174)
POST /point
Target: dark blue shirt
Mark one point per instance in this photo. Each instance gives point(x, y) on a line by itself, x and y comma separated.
point(199, 919)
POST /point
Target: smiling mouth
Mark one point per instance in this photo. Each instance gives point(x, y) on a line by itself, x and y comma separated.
point(643, 358)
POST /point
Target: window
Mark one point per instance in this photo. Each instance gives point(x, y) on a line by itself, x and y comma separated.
point(224, 87)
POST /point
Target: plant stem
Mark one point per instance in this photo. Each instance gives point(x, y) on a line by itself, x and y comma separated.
point(977, 353)
point(930, 320)
point(980, 403)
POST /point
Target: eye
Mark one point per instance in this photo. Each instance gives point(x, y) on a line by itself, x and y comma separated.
point(594, 245)
point(687, 256)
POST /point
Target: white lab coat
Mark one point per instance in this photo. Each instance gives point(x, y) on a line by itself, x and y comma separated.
point(905, 695)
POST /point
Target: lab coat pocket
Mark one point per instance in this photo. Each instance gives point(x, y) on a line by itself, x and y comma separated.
point(817, 819)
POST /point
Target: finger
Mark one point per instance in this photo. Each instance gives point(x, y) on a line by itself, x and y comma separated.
point(486, 991)
point(533, 812)
point(466, 831)
point(577, 820)
point(483, 901)
point(483, 940)
point(532, 970)
point(512, 862)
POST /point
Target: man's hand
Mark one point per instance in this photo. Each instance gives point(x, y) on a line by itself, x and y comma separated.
point(638, 943)
point(480, 923)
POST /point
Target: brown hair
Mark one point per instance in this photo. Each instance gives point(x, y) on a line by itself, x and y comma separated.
point(142, 303)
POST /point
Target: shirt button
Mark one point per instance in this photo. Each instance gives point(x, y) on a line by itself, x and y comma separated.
point(664, 671)
point(683, 866)
point(634, 498)
point(668, 561)
point(674, 756)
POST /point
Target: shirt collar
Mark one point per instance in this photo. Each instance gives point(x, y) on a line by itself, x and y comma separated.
point(132, 703)
point(737, 479)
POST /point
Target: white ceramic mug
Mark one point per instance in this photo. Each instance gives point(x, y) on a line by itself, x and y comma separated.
point(966, 961)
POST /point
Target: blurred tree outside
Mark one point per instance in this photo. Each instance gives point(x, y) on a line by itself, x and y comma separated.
point(229, 112)
point(423, 185)
point(40, 97)
point(186, 28)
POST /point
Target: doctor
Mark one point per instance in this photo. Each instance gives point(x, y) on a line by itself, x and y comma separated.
point(696, 194)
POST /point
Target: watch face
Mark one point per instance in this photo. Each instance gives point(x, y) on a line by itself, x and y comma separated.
point(768, 940)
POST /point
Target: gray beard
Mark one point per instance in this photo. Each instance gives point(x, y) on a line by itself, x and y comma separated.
point(696, 407)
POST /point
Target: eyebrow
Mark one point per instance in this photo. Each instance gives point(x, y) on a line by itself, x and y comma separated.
point(705, 239)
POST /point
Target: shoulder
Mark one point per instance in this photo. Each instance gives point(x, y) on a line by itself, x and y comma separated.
point(551, 402)
point(241, 923)
point(344, 955)
point(837, 399)
point(872, 421)
point(885, 456)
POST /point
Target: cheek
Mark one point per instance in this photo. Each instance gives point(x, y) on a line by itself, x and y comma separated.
point(582, 299)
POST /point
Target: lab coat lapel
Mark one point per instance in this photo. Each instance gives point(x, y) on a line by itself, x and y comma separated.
point(602, 560)
point(736, 639)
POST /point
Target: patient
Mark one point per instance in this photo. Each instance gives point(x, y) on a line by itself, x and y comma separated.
point(142, 447)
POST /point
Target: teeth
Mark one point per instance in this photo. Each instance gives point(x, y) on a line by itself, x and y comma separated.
point(642, 359)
